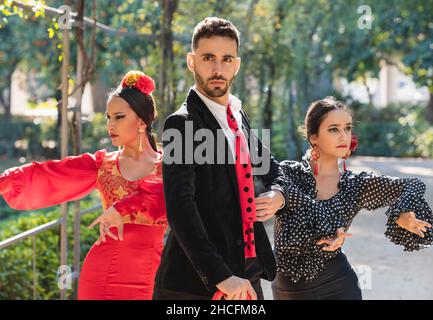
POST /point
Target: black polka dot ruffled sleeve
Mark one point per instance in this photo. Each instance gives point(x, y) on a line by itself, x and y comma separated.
point(400, 195)
point(306, 220)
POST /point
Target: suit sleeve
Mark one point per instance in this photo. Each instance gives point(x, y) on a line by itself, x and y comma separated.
point(273, 179)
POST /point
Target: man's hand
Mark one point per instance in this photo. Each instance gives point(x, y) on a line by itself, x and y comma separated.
point(267, 204)
point(109, 218)
point(408, 221)
point(235, 288)
point(334, 243)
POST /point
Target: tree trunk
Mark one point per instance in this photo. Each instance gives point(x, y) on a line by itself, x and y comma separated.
point(166, 88)
point(76, 118)
point(429, 112)
point(7, 101)
point(280, 15)
point(293, 129)
point(370, 95)
point(267, 110)
point(242, 89)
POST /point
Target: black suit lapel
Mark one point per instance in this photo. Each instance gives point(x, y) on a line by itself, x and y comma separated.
point(246, 128)
point(197, 105)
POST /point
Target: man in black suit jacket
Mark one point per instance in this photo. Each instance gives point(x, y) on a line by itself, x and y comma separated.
point(205, 248)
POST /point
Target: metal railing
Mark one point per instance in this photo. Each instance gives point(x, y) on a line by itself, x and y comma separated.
point(32, 233)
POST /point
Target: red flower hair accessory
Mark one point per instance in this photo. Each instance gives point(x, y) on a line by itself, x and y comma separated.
point(138, 80)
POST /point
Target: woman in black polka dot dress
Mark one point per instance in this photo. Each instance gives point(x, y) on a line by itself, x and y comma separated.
point(323, 201)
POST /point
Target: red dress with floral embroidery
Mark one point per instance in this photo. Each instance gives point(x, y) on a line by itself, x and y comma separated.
point(114, 269)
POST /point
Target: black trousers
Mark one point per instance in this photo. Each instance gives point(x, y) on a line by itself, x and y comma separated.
point(253, 269)
point(338, 281)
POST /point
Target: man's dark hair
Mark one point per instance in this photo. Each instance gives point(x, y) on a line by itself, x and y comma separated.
point(213, 26)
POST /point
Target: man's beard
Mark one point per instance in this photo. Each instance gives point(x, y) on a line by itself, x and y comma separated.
point(216, 92)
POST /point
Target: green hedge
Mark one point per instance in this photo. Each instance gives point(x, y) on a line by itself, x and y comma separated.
point(394, 131)
point(16, 262)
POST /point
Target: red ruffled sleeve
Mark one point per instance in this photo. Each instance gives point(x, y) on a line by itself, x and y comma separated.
point(43, 184)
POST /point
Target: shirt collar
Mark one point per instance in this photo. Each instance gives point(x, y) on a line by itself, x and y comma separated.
point(235, 103)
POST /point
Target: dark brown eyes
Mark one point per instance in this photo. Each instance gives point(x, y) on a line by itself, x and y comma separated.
point(209, 58)
point(117, 117)
point(336, 129)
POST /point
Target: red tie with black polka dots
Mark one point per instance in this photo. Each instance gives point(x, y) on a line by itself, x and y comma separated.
point(245, 185)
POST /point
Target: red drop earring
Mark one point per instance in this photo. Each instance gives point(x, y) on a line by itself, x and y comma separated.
point(344, 160)
point(315, 155)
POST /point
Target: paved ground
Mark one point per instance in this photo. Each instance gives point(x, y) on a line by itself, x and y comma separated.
point(395, 274)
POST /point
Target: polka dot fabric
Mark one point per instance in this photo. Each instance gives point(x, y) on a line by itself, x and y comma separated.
point(307, 220)
point(245, 185)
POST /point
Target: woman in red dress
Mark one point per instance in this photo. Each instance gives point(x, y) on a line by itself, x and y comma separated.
point(123, 262)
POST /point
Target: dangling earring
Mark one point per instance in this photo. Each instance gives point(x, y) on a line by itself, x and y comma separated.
point(140, 147)
point(315, 155)
point(344, 160)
